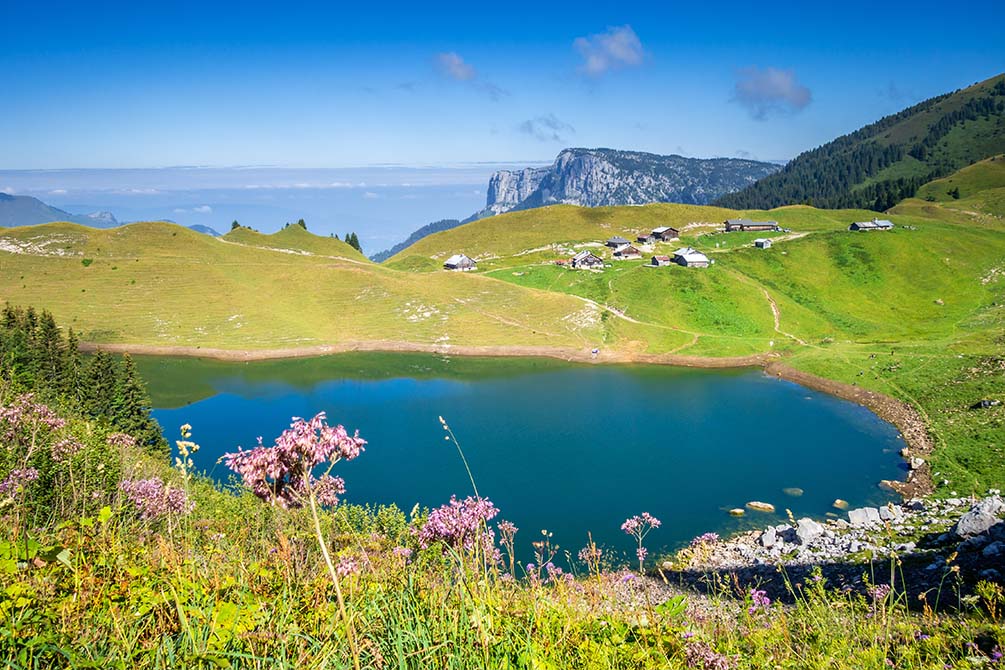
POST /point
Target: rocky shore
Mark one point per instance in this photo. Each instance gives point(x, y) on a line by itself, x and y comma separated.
point(925, 548)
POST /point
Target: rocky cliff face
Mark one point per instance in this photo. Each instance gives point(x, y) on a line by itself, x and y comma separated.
point(602, 177)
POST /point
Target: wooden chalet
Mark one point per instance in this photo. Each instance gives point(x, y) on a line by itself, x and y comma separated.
point(617, 241)
point(586, 260)
point(626, 252)
point(867, 226)
point(459, 263)
point(646, 238)
point(762, 243)
point(746, 225)
point(690, 258)
point(660, 261)
point(666, 233)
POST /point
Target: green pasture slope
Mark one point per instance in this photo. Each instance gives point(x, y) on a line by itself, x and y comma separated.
point(917, 312)
point(160, 284)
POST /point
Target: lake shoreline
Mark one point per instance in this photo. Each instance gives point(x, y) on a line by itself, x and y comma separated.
point(903, 416)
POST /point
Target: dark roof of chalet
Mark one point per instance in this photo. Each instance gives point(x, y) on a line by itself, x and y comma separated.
point(618, 240)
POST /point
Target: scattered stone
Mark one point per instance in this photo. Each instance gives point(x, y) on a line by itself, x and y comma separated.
point(938, 301)
point(808, 530)
point(793, 491)
point(863, 516)
point(981, 517)
point(915, 505)
point(840, 504)
point(768, 538)
point(890, 513)
point(760, 506)
point(989, 574)
point(737, 511)
point(917, 462)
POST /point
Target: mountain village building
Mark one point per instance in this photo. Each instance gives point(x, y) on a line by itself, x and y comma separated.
point(690, 258)
point(460, 263)
point(867, 226)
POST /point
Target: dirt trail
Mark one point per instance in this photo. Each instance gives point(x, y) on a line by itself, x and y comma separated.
point(777, 316)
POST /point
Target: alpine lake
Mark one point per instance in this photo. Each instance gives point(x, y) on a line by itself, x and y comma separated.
point(571, 449)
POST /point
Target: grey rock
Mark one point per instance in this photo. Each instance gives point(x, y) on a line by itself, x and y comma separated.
point(769, 538)
point(975, 543)
point(989, 574)
point(915, 505)
point(808, 530)
point(982, 516)
point(890, 513)
point(906, 547)
point(863, 516)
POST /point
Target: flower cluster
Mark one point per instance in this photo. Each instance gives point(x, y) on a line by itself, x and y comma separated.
point(25, 413)
point(640, 524)
point(120, 441)
point(16, 480)
point(347, 565)
point(591, 554)
point(328, 489)
point(281, 473)
point(461, 524)
point(153, 499)
point(759, 600)
point(879, 592)
point(65, 449)
point(704, 539)
point(701, 655)
point(638, 527)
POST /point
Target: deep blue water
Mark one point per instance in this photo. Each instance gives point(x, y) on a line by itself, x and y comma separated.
point(570, 449)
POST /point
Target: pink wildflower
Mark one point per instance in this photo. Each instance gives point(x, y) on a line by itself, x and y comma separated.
point(759, 600)
point(346, 566)
point(281, 473)
point(65, 449)
point(638, 527)
point(704, 539)
point(120, 440)
point(154, 500)
point(17, 480)
point(328, 489)
point(461, 525)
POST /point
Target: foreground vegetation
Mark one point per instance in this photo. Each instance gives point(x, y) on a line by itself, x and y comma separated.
point(149, 566)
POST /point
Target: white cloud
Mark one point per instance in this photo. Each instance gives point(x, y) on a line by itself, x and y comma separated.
point(58, 191)
point(770, 91)
point(617, 48)
point(452, 65)
point(548, 128)
point(370, 195)
point(203, 209)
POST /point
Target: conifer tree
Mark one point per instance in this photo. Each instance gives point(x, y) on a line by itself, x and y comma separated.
point(99, 387)
point(130, 409)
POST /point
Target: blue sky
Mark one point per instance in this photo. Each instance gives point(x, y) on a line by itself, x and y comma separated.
point(108, 84)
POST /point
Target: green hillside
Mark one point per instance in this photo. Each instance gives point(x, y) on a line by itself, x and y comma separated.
point(881, 164)
point(159, 284)
point(294, 239)
point(916, 312)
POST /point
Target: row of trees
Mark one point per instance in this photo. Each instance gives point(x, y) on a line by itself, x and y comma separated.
point(838, 174)
point(35, 355)
point(350, 238)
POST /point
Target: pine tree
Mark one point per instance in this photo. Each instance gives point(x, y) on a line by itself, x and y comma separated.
point(70, 384)
point(130, 408)
point(99, 386)
point(50, 352)
point(235, 225)
point(302, 224)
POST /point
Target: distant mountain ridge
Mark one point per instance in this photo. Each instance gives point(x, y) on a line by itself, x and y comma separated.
point(605, 177)
point(885, 162)
point(428, 229)
point(24, 210)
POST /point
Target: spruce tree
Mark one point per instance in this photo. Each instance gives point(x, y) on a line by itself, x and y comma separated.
point(131, 407)
point(99, 386)
point(70, 384)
